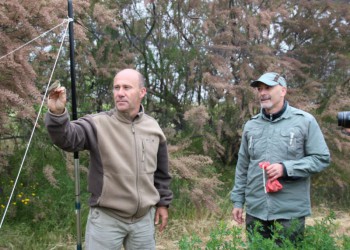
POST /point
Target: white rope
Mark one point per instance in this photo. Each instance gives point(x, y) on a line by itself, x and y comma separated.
point(66, 20)
point(264, 180)
point(35, 124)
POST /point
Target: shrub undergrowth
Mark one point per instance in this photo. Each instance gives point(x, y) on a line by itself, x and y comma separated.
point(319, 236)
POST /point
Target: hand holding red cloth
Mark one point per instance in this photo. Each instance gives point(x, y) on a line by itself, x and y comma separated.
point(271, 186)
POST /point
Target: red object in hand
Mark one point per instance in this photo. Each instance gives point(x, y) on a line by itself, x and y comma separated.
point(271, 186)
point(264, 164)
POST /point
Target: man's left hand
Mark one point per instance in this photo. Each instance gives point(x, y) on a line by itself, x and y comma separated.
point(161, 215)
point(274, 171)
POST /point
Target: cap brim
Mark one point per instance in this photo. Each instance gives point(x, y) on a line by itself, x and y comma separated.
point(254, 84)
point(268, 83)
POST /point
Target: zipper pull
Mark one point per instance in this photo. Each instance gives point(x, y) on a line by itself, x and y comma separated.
point(132, 128)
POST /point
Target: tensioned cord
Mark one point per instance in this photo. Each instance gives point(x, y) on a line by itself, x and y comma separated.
point(41, 106)
point(34, 39)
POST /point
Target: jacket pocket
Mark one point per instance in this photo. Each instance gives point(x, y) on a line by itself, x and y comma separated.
point(293, 140)
point(149, 147)
point(255, 143)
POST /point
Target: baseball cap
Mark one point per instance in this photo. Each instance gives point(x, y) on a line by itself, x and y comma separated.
point(270, 79)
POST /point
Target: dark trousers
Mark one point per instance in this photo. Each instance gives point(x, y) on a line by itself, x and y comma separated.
point(291, 229)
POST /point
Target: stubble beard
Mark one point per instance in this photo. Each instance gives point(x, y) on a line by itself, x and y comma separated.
point(267, 106)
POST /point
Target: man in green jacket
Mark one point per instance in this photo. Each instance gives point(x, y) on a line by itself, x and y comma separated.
point(281, 148)
point(128, 174)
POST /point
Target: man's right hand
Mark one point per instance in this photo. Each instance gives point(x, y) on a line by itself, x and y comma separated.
point(237, 215)
point(57, 100)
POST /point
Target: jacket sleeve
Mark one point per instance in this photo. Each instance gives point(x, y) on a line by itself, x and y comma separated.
point(316, 157)
point(69, 136)
point(238, 191)
point(162, 177)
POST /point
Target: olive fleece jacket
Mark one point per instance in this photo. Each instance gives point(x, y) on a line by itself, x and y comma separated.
point(128, 171)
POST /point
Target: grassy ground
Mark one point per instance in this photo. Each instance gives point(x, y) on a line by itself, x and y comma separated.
point(202, 227)
point(23, 236)
point(47, 221)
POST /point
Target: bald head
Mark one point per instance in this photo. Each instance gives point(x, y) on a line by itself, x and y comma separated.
point(132, 75)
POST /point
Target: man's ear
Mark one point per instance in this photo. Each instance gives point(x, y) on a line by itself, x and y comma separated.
point(143, 92)
point(284, 91)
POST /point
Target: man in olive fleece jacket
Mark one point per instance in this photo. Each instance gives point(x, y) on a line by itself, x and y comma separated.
point(128, 174)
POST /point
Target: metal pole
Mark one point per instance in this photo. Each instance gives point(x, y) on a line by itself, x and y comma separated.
point(74, 111)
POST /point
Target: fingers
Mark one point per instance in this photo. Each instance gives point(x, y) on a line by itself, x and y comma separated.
point(163, 225)
point(274, 171)
point(237, 215)
point(57, 100)
point(57, 93)
point(161, 215)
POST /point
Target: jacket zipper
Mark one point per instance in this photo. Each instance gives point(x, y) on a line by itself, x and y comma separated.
point(137, 169)
point(143, 152)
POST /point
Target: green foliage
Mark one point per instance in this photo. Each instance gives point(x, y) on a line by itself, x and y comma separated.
point(41, 212)
point(325, 191)
point(223, 237)
point(184, 206)
point(24, 200)
point(346, 241)
point(329, 119)
point(190, 243)
point(318, 236)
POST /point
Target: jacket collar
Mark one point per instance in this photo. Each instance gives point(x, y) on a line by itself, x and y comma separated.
point(124, 118)
point(275, 116)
